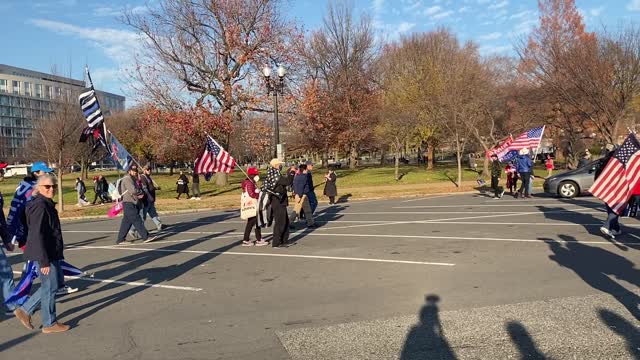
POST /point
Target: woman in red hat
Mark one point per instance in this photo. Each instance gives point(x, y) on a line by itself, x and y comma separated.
point(249, 187)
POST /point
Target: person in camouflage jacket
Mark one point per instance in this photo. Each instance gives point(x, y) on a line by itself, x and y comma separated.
point(496, 171)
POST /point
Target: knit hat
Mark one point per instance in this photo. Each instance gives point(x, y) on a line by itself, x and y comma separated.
point(253, 171)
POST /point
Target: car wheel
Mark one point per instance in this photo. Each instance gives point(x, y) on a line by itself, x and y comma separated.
point(568, 189)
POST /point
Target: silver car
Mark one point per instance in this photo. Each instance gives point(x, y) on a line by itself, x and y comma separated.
point(573, 182)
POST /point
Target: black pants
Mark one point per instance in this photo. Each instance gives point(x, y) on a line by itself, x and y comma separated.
point(494, 185)
point(524, 188)
point(98, 196)
point(280, 223)
point(332, 199)
point(251, 223)
point(180, 193)
point(131, 216)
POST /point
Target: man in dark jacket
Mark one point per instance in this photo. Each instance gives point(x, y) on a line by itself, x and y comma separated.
point(132, 195)
point(496, 171)
point(45, 248)
point(149, 188)
point(313, 199)
point(611, 226)
point(524, 167)
point(301, 191)
point(276, 185)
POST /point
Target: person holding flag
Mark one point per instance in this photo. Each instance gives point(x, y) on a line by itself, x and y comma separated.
point(6, 273)
point(524, 167)
point(131, 195)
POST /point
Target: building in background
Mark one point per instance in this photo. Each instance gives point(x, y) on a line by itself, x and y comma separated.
point(26, 96)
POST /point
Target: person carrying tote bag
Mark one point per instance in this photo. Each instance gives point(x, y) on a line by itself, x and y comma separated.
point(249, 208)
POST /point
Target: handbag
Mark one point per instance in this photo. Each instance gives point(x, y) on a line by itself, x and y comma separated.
point(248, 206)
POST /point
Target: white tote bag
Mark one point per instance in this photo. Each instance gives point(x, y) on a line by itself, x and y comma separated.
point(248, 206)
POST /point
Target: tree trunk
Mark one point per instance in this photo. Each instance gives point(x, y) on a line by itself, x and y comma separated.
point(60, 194)
point(429, 155)
point(83, 170)
point(171, 168)
point(397, 163)
point(222, 179)
point(485, 168)
point(325, 159)
point(382, 157)
point(353, 157)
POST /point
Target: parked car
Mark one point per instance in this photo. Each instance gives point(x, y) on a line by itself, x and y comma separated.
point(571, 183)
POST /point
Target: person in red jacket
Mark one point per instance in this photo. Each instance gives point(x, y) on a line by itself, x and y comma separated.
point(249, 186)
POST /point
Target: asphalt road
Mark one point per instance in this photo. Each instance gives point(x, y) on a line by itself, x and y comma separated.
point(440, 277)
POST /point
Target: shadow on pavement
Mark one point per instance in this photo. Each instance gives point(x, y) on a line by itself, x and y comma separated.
point(11, 343)
point(158, 274)
point(521, 338)
point(427, 340)
point(344, 198)
point(594, 265)
point(322, 218)
point(624, 328)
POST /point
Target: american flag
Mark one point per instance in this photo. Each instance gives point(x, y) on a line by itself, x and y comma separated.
point(530, 139)
point(620, 176)
point(214, 159)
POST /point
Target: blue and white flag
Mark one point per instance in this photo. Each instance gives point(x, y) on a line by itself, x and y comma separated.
point(91, 108)
point(23, 289)
point(120, 155)
point(14, 218)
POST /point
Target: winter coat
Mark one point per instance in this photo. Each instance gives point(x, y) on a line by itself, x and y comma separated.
point(81, 188)
point(148, 187)
point(250, 188)
point(183, 185)
point(44, 240)
point(130, 190)
point(330, 188)
point(301, 184)
point(496, 169)
point(524, 164)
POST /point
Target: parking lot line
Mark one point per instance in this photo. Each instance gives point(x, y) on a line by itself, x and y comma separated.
point(493, 205)
point(319, 257)
point(129, 283)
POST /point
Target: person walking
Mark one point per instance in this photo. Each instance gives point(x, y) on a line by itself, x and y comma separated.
point(97, 189)
point(195, 186)
point(81, 190)
point(149, 188)
point(611, 226)
point(301, 199)
point(313, 199)
point(330, 189)
point(549, 165)
point(276, 185)
point(182, 185)
point(496, 171)
point(131, 195)
point(6, 272)
point(524, 166)
point(512, 179)
point(249, 187)
point(45, 248)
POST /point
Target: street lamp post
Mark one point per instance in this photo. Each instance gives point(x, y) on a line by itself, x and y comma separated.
point(275, 87)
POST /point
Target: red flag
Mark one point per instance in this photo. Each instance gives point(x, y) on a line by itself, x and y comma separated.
point(620, 176)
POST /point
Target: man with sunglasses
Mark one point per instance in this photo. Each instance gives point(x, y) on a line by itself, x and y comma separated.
point(132, 195)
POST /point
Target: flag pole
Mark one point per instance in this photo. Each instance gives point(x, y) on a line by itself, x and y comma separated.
point(539, 143)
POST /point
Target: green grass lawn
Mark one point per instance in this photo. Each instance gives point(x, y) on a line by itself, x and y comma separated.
point(347, 179)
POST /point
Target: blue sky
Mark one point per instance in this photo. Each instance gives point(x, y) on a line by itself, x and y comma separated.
point(38, 34)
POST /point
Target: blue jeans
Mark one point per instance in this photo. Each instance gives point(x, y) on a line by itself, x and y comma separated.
point(313, 200)
point(612, 220)
point(45, 296)
point(6, 279)
point(131, 217)
point(153, 213)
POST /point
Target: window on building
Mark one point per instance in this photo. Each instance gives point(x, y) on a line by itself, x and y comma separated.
point(58, 93)
point(39, 90)
point(15, 87)
point(48, 92)
point(3, 85)
point(27, 88)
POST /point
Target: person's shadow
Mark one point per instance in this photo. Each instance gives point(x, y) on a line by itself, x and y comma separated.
point(321, 218)
point(594, 265)
point(426, 340)
point(523, 341)
point(623, 328)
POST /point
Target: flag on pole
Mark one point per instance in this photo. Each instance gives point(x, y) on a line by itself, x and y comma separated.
point(119, 154)
point(502, 150)
point(23, 289)
point(620, 176)
point(528, 140)
point(214, 159)
point(91, 108)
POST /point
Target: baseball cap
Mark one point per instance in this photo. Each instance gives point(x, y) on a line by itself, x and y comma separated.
point(40, 166)
point(3, 165)
point(133, 167)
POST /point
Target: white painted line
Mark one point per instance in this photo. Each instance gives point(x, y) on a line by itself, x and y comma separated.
point(129, 283)
point(559, 201)
point(635, 236)
point(483, 206)
point(269, 255)
point(429, 197)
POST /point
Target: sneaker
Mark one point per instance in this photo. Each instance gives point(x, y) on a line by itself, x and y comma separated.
point(198, 198)
point(192, 198)
point(55, 328)
point(502, 193)
point(24, 318)
point(261, 243)
point(496, 198)
point(149, 239)
point(65, 290)
point(122, 242)
point(605, 231)
point(247, 243)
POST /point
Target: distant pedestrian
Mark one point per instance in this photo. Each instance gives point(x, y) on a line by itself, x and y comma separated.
point(97, 189)
point(549, 165)
point(496, 171)
point(132, 195)
point(182, 185)
point(81, 190)
point(313, 199)
point(524, 167)
point(149, 188)
point(330, 189)
point(249, 186)
point(276, 185)
point(195, 186)
point(45, 248)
